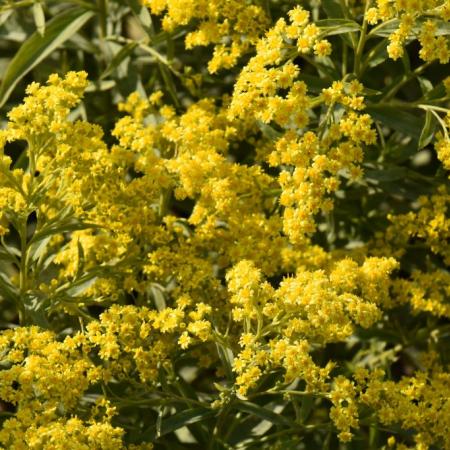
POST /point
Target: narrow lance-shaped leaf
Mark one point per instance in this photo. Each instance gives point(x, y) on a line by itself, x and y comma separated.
point(330, 27)
point(177, 421)
point(264, 413)
point(391, 26)
point(428, 130)
point(4, 16)
point(39, 18)
point(118, 58)
point(38, 47)
point(332, 8)
point(396, 119)
point(142, 14)
point(81, 259)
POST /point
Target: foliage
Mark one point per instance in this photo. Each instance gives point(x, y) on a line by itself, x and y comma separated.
point(224, 224)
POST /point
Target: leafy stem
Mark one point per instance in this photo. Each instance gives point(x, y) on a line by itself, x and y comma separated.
point(361, 43)
point(407, 77)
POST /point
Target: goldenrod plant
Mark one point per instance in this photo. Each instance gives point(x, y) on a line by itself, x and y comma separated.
point(225, 225)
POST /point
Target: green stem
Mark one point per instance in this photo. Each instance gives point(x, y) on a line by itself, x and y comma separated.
point(323, 124)
point(361, 43)
point(437, 116)
point(23, 275)
point(220, 424)
point(410, 105)
point(344, 59)
point(374, 30)
point(103, 14)
point(407, 77)
point(161, 58)
point(345, 12)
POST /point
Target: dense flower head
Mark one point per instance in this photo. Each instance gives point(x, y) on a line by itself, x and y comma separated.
point(232, 26)
point(268, 251)
point(407, 13)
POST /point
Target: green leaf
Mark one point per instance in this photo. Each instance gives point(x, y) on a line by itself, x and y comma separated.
point(7, 290)
point(103, 15)
point(81, 259)
point(62, 227)
point(4, 256)
point(443, 27)
point(370, 92)
point(390, 26)
point(426, 85)
point(35, 310)
point(177, 421)
point(39, 18)
point(156, 291)
point(99, 86)
point(332, 8)
point(386, 174)
point(38, 249)
point(226, 357)
point(376, 55)
point(143, 15)
point(169, 82)
point(331, 27)
point(315, 84)
point(264, 413)
point(5, 16)
point(184, 418)
point(306, 408)
point(428, 130)
point(398, 153)
point(76, 288)
point(438, 91)
point(268, 131)
point(385, 29)
point(394, 117)
point(406, 63)
point(38, 47)
point(118, 58)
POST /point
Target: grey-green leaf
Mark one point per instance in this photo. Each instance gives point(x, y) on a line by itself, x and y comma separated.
point(4, 16)
point(332, 8)
point(38, 47)
point(428, 130)
point(264, 413)
point(39, 18)
point(179, 420)
point(268, 131)
point(386, 174)
point(118, 58)
point(397, 119)
point(143, 15)
point(330, 27)
point(390, 26)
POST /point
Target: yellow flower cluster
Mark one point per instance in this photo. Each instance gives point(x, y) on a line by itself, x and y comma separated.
point(314, 158)
point(430, 223)
point(193, 151)
point(255, 91)
point(425, 292)
point(140, 341)
point(344, 411)
point(442, 144)
point(232, 26)
point(199, 239)
point(45, 380)
point(280, 327)
point(408, 13)
point(74, 180)
point(45, 109)
point(419, 402)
